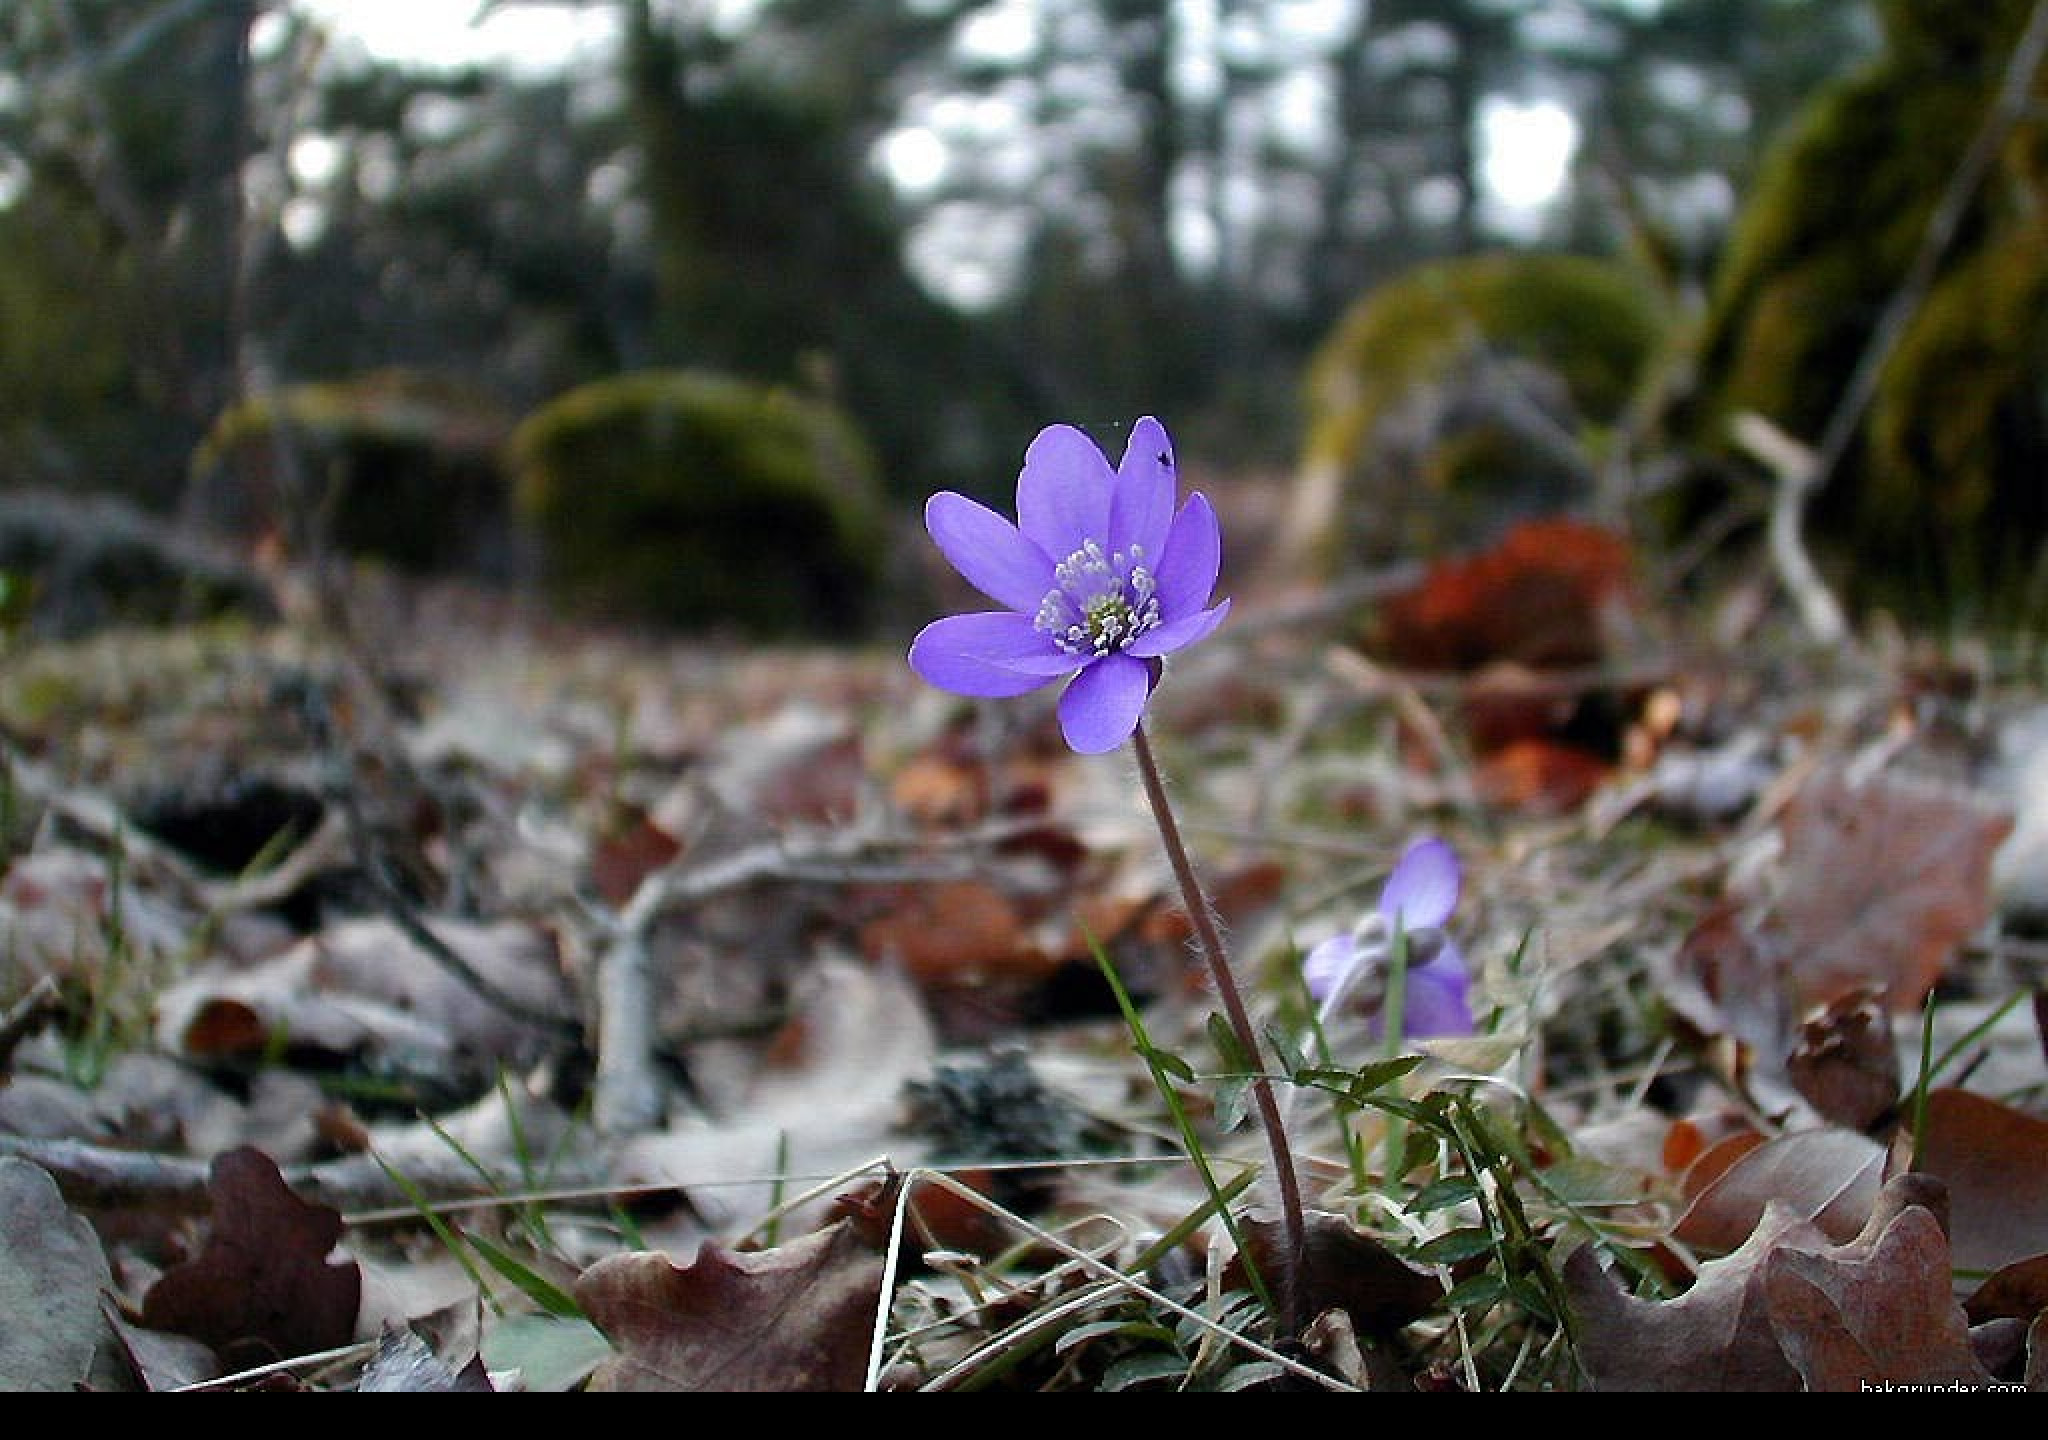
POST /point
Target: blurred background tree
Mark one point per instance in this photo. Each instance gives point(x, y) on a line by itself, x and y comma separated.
point(951, 219)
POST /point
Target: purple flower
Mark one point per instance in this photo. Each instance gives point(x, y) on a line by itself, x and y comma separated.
point(1100, 579)
point(1419, 896)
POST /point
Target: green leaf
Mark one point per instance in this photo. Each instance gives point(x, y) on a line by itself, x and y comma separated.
point(1454, 1246)
point(1235, 1061)
point(1126, 1329)
point(1139, 1369)
point(1232, 1094)
point(1167, 1061)
point(1291, 1059)
point(1253, 1372)
point(1442, 1194)
point(1368, 1079)
point(1477, 1293)
point(537, 1288)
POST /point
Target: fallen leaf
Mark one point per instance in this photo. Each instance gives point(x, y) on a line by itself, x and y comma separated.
point(52, 1275)
point(1831, 1177)
point(1538, 597)
point(1873, 1312)
point(263, 1279)
point(1994, 1160)
point(1714, 1337)
point(633, 850)
point(1845, 1063)
point(162, 1361)
point(1541, 774)
point(953, 931)
point(1880, 883)
point(549, 1353)
point(406, 1364)
point(795, 1318)
point(2018, 1291)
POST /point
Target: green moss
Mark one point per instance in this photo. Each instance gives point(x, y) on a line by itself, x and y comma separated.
point(1937, 509)
point(696, 499)
point(1440, 376)
point(395, 464)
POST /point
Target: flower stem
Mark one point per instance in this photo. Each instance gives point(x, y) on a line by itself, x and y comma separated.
point(1196, 900)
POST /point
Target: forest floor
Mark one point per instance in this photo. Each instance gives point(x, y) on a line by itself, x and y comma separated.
point(423, 993)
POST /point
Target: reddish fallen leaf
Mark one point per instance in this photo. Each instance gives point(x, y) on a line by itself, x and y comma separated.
point(1881, 882)
point(1714, 1337)
point(263, 1282)
point(798, 1317)
point(622, 859)
point(1874, 1312)
point(953, 931)
point(1994, 1161)
point(1845, 1063)
point(1831, 1177)
point(1689, 1139)
point(1538, 597)
point(1536, 773)
point(1716, 1160)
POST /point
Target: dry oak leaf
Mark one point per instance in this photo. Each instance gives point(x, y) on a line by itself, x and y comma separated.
point(1881, 882)
point(263, 1279)
point(1994, 1160)
point(1716, 1336)
point(798, 1317)
point(1831, 1177)
point(1875, 1310)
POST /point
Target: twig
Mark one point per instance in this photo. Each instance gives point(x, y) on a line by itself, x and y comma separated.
point(26, 1016)
point(1798, 473)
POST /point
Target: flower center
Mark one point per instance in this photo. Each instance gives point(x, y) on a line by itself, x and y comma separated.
point(1099, 603)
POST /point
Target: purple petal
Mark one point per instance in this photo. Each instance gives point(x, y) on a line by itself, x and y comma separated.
point(1142, 507)
point(1194, 552)
point(1438, 1000)
point(1423, 890)
point(1063, 492)
point(1178, 634)
point(988, 551)
point(1324, 968)
point(989, 654)
point(1102, 707)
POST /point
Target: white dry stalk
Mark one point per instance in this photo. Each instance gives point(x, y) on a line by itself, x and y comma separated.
point(1797, 470)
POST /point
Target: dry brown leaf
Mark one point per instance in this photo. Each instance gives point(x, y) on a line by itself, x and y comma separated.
point(1831, 1177)
point(1873, 1312)
point(263, 1280)
point(1716, 1336)
point(2018, 1291)
point(1994, 1161)
point(1880, 883)
point(1845, 1063)
point(799, 1317)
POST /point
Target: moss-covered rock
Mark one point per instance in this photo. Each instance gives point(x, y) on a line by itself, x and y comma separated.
point(396, 464)
point(1457, 398)
point(700, 500)
point(1939, 506)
